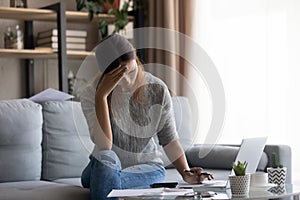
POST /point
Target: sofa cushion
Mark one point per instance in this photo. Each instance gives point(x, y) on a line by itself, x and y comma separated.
point(20, 140)
point(66, 140)
point(42, 190)
point(183, 119)
point(218, 156)
point(182, 115)
point(215, 157)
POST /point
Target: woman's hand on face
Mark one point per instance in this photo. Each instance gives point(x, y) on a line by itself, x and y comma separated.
point(110, 80)
point(196, 175)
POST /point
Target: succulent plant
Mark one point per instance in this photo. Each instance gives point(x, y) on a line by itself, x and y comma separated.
point(239, 168)
point(275, 162)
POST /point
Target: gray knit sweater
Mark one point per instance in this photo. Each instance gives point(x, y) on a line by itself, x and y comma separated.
point(136, 127)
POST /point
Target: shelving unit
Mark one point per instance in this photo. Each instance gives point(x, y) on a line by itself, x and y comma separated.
point(56, 13)
point(32, 14)
point(41, 54)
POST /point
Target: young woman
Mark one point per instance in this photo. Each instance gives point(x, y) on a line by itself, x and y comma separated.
point(126, 109)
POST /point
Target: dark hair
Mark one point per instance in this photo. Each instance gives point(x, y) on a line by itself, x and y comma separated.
point(125, 57)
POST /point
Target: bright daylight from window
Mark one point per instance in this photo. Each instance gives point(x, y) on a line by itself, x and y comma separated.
point(254, 45)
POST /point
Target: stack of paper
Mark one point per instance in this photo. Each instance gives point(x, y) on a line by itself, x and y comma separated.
point(151, 192)
point(51, 94)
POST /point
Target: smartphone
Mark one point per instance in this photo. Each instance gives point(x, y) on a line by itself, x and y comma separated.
point(164, 184)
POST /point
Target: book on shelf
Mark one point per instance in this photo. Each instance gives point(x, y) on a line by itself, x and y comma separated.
point(50, 39)
point(69, 32)
point(70, 46)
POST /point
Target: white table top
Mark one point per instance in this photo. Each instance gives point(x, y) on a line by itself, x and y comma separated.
point(276, 192)
point(287, 190)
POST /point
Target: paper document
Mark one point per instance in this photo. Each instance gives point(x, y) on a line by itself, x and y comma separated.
point(205, 183)
point(150, 192)
point(50, 94)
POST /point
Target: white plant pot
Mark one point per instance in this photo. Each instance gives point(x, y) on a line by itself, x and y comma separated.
point(277, 175)
point(239, 185)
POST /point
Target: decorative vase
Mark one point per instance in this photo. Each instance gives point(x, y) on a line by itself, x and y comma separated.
point(277, 175)
point(239, 185)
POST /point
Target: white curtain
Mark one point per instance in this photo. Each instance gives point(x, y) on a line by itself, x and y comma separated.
point(255, 45)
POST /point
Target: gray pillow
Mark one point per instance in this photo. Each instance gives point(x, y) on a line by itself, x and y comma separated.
point(218, 157)
point(20, 140)
point(183, 119)
point(182, 114)
point(66, 140)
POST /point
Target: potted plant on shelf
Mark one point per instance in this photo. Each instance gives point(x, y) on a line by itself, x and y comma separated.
point(240, 181)
point(94, 7)
point(276, 173)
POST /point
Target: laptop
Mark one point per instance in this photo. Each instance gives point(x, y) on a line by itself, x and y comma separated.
point(251, 150)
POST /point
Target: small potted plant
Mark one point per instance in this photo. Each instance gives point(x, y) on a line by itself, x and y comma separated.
point(240, 181)
point(276, 173)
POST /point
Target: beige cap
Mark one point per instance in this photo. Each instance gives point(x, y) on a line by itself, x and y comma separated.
point(110, 49)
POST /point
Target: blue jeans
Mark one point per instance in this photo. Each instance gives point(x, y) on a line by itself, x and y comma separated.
point(104, 173)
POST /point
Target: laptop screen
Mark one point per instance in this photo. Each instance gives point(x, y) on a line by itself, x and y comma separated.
point(251, 151)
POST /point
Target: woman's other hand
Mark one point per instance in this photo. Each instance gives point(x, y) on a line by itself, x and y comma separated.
point(196, 175)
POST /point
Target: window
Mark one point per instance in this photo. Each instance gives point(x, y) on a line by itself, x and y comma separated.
point(254, 45)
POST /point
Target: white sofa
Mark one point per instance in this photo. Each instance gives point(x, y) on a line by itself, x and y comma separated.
point(44, 148)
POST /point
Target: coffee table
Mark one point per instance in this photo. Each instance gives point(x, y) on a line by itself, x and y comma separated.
point(288, 190)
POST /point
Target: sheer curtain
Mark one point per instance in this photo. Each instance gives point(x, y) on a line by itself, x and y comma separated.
point(255, 45)
point(175, 15)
